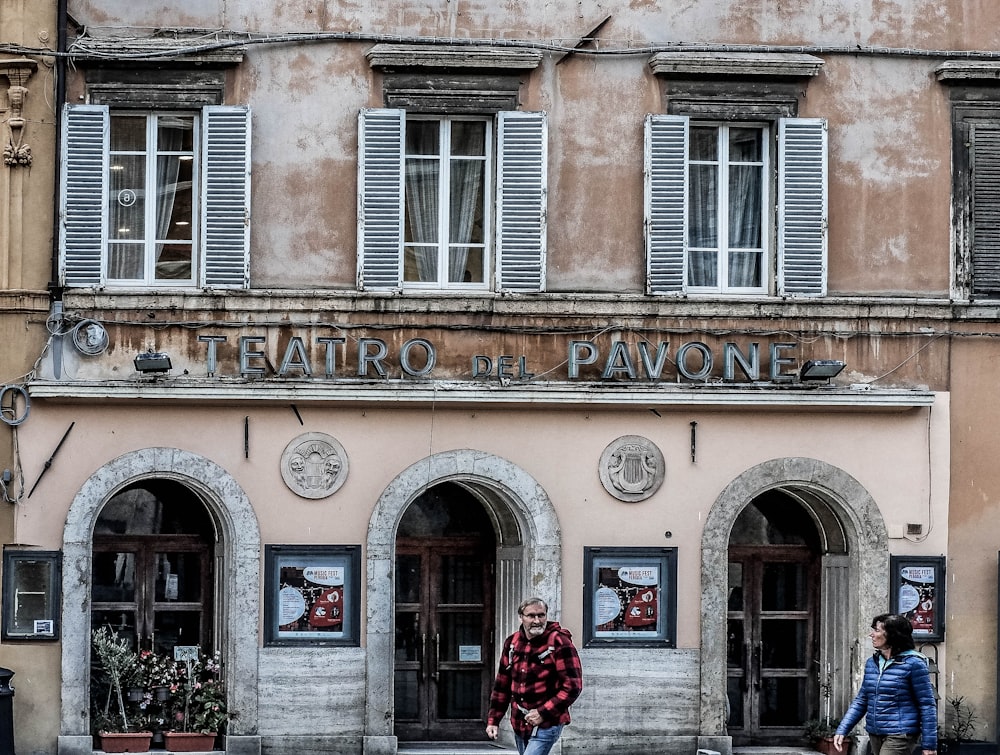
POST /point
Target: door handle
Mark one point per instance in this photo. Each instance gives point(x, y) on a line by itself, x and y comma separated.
point(422, 656)
point(758, 652)
point(437, 657)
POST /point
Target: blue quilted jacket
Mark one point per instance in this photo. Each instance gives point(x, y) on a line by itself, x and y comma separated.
point(896, 697)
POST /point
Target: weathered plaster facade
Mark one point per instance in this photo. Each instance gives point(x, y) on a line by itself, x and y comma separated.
point(513, 394)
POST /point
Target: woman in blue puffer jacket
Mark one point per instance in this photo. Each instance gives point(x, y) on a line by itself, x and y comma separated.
point(896, 697)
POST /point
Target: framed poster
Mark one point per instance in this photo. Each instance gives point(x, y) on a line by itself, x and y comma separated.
point(917, 592)
point(630, 596)
point(312, 594)
point(31, 584)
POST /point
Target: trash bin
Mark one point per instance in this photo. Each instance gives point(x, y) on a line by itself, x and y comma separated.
point(6, 712)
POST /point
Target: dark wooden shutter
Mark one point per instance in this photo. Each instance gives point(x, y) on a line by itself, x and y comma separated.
point(985, 232)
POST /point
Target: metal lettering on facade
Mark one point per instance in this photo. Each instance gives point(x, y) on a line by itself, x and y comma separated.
point(693, 361)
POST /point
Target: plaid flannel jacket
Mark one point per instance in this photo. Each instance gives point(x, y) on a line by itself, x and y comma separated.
point(543, 673)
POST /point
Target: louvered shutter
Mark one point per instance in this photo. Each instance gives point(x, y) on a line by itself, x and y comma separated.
point(225, 211)
point(665, 211)
point(82, 226)
point(522, 191)
point(380, 197)
point(802, 206)
point(985, 211)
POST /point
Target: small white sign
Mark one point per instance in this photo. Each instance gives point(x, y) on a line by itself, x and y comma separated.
point(185, 652)
point(44, 626)
point(170, 591)
point(470, 653)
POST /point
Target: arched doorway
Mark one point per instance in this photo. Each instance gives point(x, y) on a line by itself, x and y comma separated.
point(445, 552)
point(772, 652)
point(853, 562)
point(527, 559)
point(236, 584)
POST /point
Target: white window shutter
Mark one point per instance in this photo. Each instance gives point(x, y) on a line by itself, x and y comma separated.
point(665, 202)
point(82, 219)
point(381, 135)
point(802, 206)
point(521, 207)
point(985, 211)
point(225, 207)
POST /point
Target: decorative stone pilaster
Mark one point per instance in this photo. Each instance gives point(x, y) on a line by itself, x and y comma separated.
point(18, 71)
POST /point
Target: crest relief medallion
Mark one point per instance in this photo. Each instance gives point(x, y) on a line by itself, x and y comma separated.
point(632, 468)
point(314, 465)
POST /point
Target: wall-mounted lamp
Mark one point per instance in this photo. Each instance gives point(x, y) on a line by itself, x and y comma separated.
point(821, 369)
point(152, 362)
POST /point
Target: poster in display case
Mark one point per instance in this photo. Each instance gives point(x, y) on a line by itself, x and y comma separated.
point(630, 596)
point(312, 594)
point(917, 592)
point(31, 582)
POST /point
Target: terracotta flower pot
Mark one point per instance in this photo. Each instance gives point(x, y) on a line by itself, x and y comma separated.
point(127, 741)
point(188, 741)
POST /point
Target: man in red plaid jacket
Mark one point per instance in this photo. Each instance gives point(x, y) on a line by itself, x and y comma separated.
point(539, 678)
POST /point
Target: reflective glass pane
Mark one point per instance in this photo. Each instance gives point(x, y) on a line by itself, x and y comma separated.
point(782, 701)
point(467, 205)
point(468, 138)
point(735, 586)
point(423, 137)
point(420, 263)
point(735, 650)
point(178, 577)
point(784, 643)
point(175, 133)
point(173, 201)
point(734, 693)
point(31, 594)
point(176, 628)
point(126, 198)
point(408, 637)
point(407, 578)
point(114, 578)
point(703, 143)
point(422, 208)
point(466, 264)
point(745, 144)
point(744, 206)
point(703, 225)
point(461, 631)
point(459, 694)
point(121, 622)
point(784, 587)
point(173, 261)
point(703, 268)
point(744, 269)
point(125, 261)
point(128, 133)
point(461, 579)
point(406, 696)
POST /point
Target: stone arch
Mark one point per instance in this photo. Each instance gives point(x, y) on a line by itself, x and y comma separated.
point(852, 529)
point(237, 578)
point(529, 558)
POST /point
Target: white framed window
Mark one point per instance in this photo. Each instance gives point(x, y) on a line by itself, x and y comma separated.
point(432, 216)
point(155, 198)
point(151, 198)
point(448, 165)
point(708, 206)
point(727, 201)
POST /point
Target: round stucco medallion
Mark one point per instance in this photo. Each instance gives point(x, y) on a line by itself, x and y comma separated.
point(632, 468)
point(314, 465)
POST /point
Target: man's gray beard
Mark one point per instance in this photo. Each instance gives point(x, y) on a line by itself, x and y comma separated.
point(535, 631)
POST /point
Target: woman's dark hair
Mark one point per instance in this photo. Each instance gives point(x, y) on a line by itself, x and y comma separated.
point(898, 631)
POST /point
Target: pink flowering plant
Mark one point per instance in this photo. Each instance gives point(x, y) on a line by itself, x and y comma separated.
point(199, 704)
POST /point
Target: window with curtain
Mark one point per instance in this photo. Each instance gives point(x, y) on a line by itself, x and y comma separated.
point(447, 173)
point(151, 198)
point(726, 201)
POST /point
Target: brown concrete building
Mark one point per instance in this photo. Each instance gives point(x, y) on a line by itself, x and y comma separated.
point(682, 317)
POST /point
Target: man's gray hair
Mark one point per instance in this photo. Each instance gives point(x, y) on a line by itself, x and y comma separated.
point(533, 601)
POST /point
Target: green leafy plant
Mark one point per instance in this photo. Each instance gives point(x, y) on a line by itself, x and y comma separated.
point(816, 729)
point(200, 703)
point(121, 669)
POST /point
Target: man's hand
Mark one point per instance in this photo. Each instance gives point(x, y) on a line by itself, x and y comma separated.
point(492, 732)
point(533, 717)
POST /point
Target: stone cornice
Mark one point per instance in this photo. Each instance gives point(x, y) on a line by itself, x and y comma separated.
point(735, 64)
point(970, 71)
point(469, 57)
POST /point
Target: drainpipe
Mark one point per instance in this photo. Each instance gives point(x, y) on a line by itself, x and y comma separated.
point(62, 19)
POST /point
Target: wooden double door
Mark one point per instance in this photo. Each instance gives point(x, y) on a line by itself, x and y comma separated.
point(772, 660)
point(444, 637)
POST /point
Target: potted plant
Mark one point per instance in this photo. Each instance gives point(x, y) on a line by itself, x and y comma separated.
point(122, 726)
point(199, 706)
point(819, 733)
